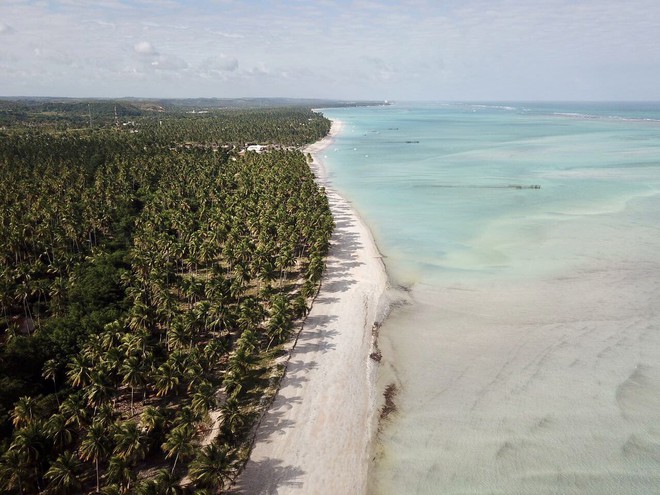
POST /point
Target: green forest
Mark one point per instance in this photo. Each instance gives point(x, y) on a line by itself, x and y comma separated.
point(151, 274)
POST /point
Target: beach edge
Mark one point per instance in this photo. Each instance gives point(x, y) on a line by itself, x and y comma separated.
point(307, 444)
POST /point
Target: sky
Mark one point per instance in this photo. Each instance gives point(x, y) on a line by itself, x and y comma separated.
point(441, 50)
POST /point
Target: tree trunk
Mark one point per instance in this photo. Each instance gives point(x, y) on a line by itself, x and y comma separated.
point(98, 481)
point(175, 461)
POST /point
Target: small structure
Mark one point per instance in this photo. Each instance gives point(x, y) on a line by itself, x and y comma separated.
point(256, 147)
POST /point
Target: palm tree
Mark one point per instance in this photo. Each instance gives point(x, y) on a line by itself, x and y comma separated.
point(300, 306)
point(74, 408)
point(187, 417)
point(106, 415)
point(79, 371)
point(148, 487)
point(214, 350)
point(64, 474)
point(250, 313)
point(220, 315)
point(59, 431)
point(95, 446)
point(99, 391)
point(135, 343)
point(134, 375)
point(152, 418)
point(233, 418)
point(14, 470)
point(121, 473)
point(23, 411)
point(179, 444)
point(112, 335)
point(203, 399)
point(50, 370)
point(279, 324)
point(130, 442)
point(245, 355)
point(178, 336)
point(315, 268)
point(167, 379)
point(194, 371)
point(167, 483)
point(30, 441)
point(232, 381)
point(212, 467)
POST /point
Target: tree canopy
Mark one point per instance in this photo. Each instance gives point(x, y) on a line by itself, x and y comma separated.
point(149, 270)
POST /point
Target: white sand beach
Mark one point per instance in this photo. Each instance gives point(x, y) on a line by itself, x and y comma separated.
point(316, 437)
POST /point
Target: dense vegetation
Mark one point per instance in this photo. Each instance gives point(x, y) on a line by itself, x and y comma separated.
point(77, 113)
point(148, 281)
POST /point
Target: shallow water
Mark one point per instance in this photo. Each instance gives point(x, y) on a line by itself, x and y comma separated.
point(528, 360)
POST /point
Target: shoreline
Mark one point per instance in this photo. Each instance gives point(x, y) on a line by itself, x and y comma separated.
point(317, 435)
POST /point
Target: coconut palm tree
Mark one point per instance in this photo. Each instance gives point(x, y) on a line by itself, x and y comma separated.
point(215, 349)
point(59, 431)
point(95, 446)
point(120, 473)
point(250, 313)
point(299, 306)
point(79, 371)
point(179, 444)
point(152, 418)
point(133, 374)
point(23, 412)
point(279, 325)
point(14, 471)
point(234, 419)
point(167, 483)
point(148, 487)
point(187, 417)
point(106, 415)
point(31, 442)
point(50, 370)
point(130, 442)
point(203, 399)
point(212, 467)
point(64, 474)
point(99, 390)
point(74, 409)
point(167, 379)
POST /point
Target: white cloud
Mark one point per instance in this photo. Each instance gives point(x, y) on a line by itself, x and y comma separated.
point(145, 48)
point(223, 34)
point(169, 63)
point(54, 56)
point(219, 64)
point(463, 49)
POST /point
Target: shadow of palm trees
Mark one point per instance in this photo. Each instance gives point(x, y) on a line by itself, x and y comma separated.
point(273, 478)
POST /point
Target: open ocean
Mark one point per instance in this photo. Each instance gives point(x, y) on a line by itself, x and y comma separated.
point(527, 237)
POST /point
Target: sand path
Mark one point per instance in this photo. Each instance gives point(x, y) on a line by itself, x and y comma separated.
point(316, 437)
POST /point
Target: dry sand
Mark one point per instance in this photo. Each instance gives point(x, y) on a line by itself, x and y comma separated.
point(316, 437)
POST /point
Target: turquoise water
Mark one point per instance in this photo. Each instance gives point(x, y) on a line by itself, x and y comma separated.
point(527, 235)
point(430, 179)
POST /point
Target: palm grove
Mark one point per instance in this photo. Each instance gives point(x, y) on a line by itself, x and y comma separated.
point(149, 275)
